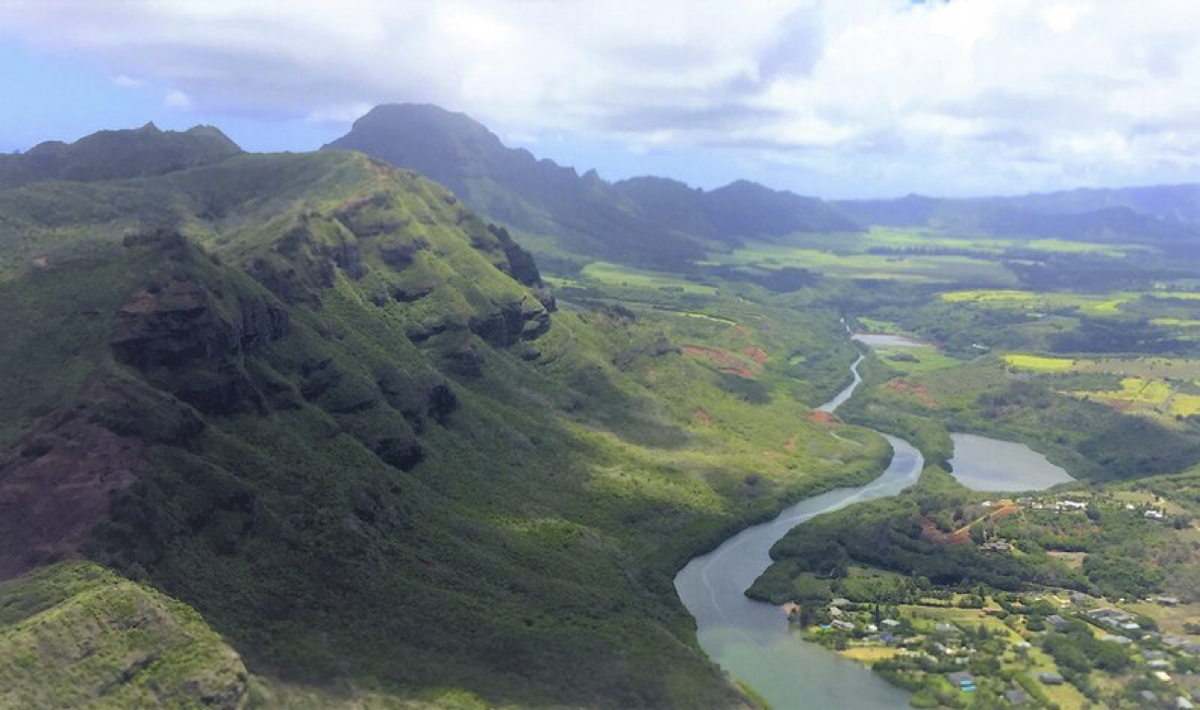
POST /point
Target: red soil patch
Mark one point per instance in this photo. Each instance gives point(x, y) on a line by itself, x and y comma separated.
point(822, 417)
point(756, 354)
point(791, 443)
point(702, 416)
point(710, 354)
point(1004, 512)
point(931, 533)
point(962, 536)
point(730, 364)
point(918, 391)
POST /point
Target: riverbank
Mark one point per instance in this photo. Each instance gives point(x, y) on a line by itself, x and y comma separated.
point(752, 640)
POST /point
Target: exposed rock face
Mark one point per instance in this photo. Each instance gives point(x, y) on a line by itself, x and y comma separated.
point(442, 403)
point(301, 262)
point(466, 360)
point(520, 262)
point(400, 452)
point(401, 256)
point(512, 323)
point(63, 475)
point(175, 332)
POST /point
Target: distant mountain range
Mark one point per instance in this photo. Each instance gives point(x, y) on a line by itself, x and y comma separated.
point(1164, 216)
point(646, 220)
point(111, 155)
point(654, 220)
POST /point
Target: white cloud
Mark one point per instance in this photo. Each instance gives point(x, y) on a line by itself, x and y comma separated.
point(177, 100)
point(913, 94)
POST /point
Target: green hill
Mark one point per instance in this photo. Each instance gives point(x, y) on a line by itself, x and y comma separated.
point(319, 400)
point(76, 635)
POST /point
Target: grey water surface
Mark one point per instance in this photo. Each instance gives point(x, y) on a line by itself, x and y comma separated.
point(982, 463)
point(886, 340)
point(752, 640)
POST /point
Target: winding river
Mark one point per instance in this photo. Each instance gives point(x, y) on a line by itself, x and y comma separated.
point(752, 640)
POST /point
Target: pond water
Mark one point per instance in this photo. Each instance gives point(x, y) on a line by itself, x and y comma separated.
point(982, 463)
point(887, 340)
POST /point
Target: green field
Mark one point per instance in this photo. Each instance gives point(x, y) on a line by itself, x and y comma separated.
point(913, 269)
point(624, 276)
point(914, 360)
point(1029, 301)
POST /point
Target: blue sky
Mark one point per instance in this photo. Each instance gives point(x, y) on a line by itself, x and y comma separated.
point(53, 97)
point(47, 97)
point(845, 98)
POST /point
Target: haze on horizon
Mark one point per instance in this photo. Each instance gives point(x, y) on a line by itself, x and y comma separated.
point(836, 99)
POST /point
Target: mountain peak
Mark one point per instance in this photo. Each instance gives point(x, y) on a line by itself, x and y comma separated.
point(647, 219)
point(118, 154)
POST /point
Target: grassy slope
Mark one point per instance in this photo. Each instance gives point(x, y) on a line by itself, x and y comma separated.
point(540, 530)
point(76, 635)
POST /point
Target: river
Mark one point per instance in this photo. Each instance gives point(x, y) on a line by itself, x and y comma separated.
point(752, 640)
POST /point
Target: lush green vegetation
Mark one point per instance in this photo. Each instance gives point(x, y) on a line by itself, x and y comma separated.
point(76, 635)
point(352, 434)
point(345, 418)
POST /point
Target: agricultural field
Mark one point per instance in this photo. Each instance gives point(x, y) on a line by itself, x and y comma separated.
point(915, 360)
point(618, 279)
point(1163, 387)
point(1041, 303)
point(902, 268)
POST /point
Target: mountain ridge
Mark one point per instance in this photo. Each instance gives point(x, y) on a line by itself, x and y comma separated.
point(581, 214)
point(111, 155)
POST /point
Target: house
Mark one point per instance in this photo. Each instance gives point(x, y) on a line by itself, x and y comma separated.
point(1162, 675)
point(996, 546)
point(1016, 696)
point(890, 623)
point(1168, 601)
point(1182, 703)
point(843, 625)
point(834, 611)
point(1149, 697)
point(1158, 664)
point(840, 602)
point(1051, 678)
point(1117, 639)
point(1131, 626)
point(962, 680)
point(1155, 515)
point(944, 628)
point(1056, 621)
point(1074, 505)
point(1111, 616)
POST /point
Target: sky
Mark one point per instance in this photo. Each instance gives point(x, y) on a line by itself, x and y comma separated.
point(835, 98)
